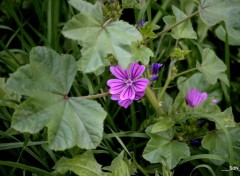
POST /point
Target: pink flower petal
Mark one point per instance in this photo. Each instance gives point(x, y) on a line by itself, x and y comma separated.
point(116, 85)
point(140, 84)
point(136, 70)
point(127, 93)
point(195, 97)
point(119, 72)
point(214, 101)
point(115, 97)
point(125, 103)
point(139, 95)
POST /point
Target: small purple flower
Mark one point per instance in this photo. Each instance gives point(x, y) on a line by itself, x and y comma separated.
point(214, 101)
point(156, 67)
point(154, 77)
point(195, 97)
point(140, 23)
point(155, 70)
point(196, 142)
point(128, 86)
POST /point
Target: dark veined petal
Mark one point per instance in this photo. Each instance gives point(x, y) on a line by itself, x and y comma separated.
point(156, 67)
point(139, 95)
point(136, 70)
point(140, 84)
point(119, 72)
point(125, 103)
point(195, 97)
point(127, 93)
point(116, 85)
point(115, 97)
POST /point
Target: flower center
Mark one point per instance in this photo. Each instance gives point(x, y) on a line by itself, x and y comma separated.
point(129, 82)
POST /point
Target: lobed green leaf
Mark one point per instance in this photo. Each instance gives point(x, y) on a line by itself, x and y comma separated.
point(98, 40)
point(215, 11)
point(183, 30)
point(82, 165)
point(162, 148)
point(47, 80)
point(212, 67)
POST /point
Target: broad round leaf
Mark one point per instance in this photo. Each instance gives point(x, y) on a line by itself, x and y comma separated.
point(162, 148)
point(47, 80)
point(215, 11)
point(99, 39)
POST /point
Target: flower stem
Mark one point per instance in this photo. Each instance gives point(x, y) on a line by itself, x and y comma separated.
point(133, 117)
point(169, 79)
point(140, 167)
point(170, 27)
point(185, 72)
point(153, 101)
point(96, 96)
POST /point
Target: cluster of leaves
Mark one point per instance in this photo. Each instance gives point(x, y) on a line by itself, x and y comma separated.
point(45, 96)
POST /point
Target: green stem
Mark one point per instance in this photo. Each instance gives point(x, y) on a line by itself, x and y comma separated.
point(96, 96)
point(169, 79)
point(133, 117)
point(227, 62)
point(153, 101)
point(140, 168)
point(183, 73)
point(172, 26)
point(52, 21)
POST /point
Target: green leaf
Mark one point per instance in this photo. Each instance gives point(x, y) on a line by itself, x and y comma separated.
point(216, 142)
point(225, 118)
point(202, 30)
point(233, 35)
point(82, 165)
point(130, 4)
point(88, 9)
point(47, 80)
point(99, 39)
point(8, 97)
point(118, 166)
point(179, 106)
point(187, 6)
point(141, 53)
point(47, 72)
point(162, 124)
point(162, 148)
point(183, 30)
point(215, 11)
point(197, 80)
point(212, 67)
point(147, 30)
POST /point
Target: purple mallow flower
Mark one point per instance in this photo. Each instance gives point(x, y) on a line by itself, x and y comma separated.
point(140, 23)
point(155, 70)
point(195, 97)
point(214, 101)
point(128, 86)
point(127, 102)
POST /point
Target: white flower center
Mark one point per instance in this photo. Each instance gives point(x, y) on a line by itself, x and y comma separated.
point(129, 82)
